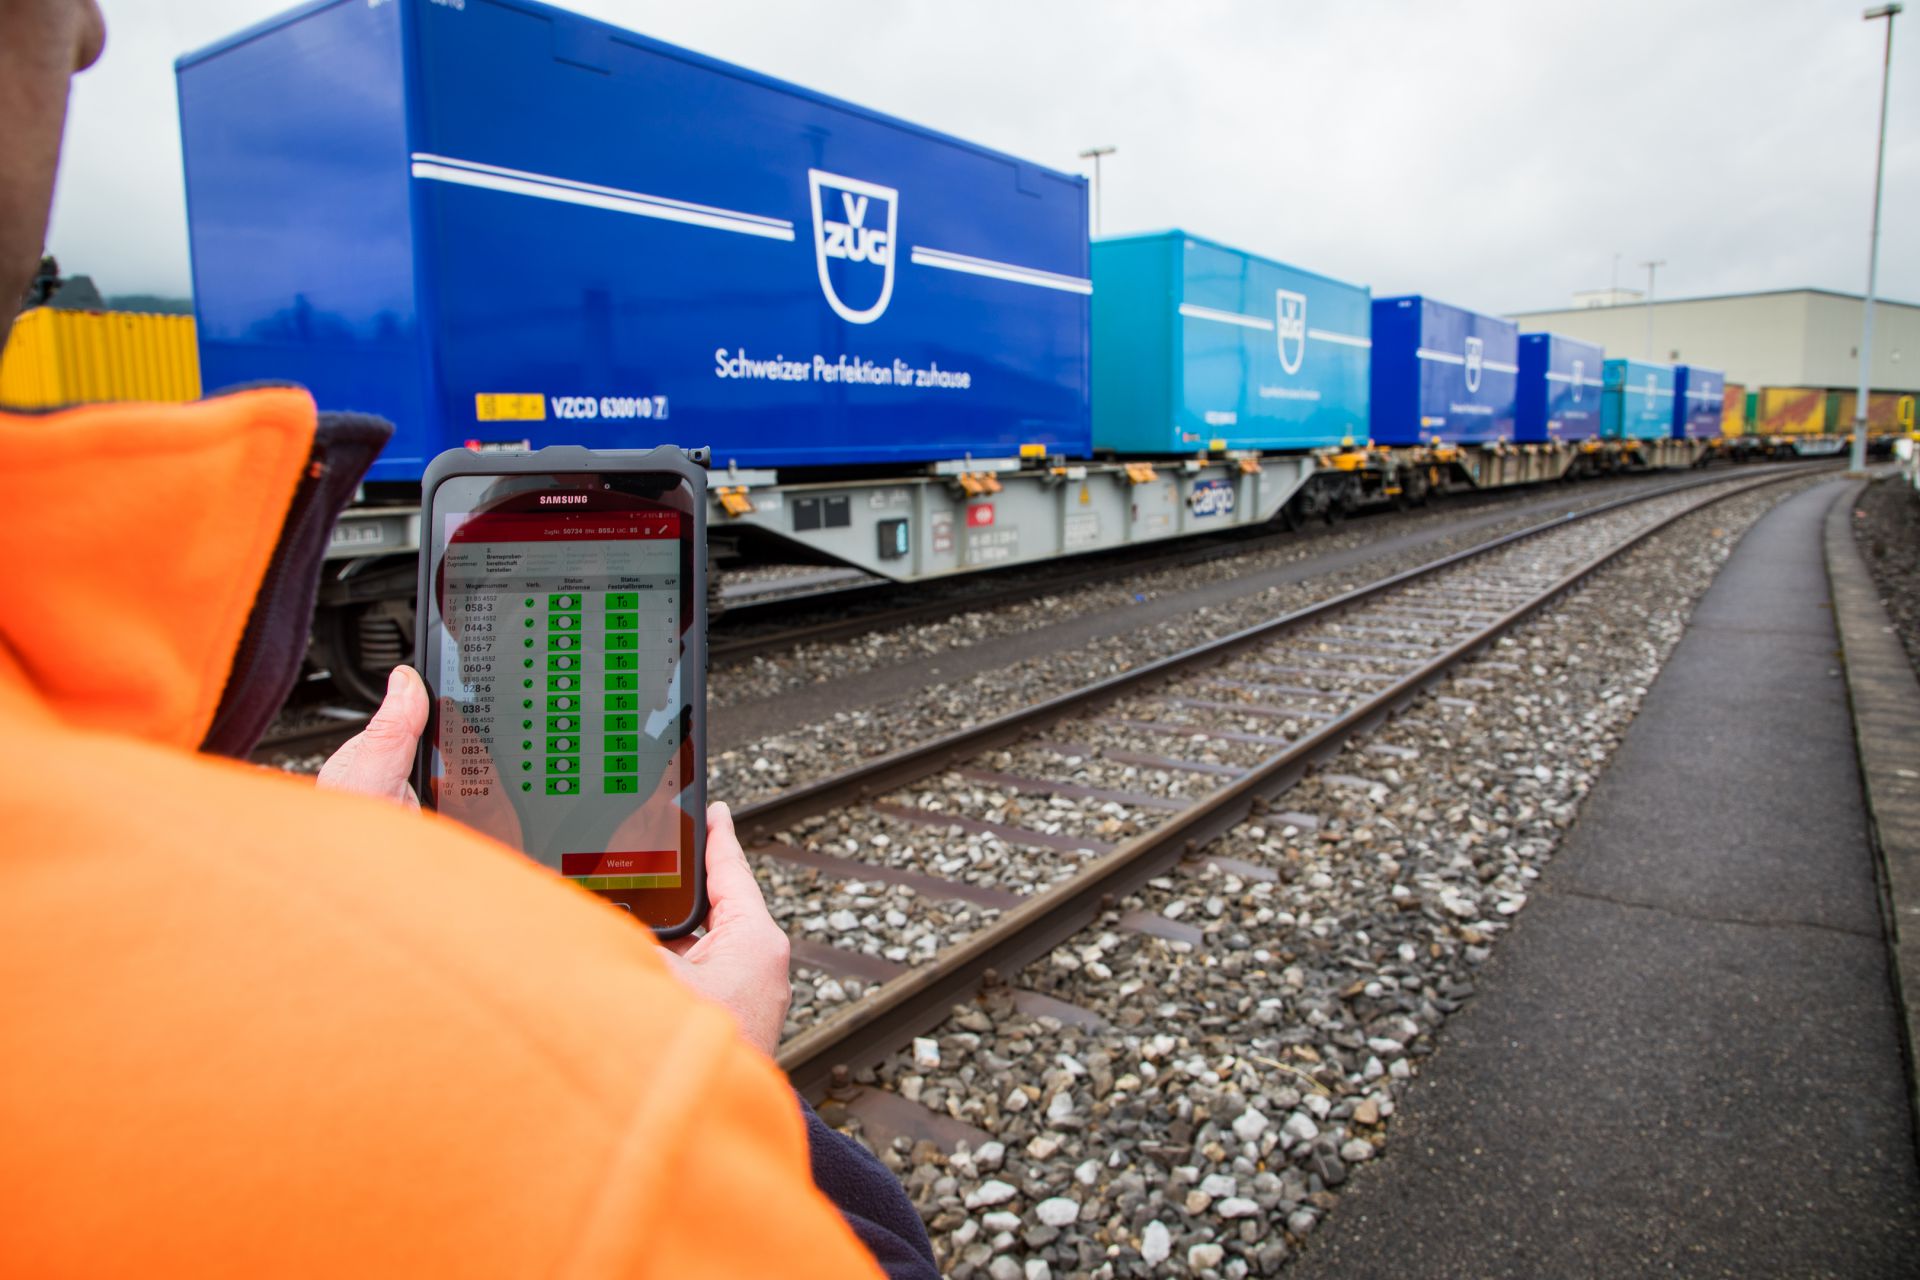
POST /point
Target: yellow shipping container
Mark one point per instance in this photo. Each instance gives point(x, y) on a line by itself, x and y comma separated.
point(1733, 410)
point(1888, 413)
point(1792, 411)
point(57, 357)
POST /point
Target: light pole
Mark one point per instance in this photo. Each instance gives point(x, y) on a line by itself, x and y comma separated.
point(1873, 245)
point(1094, 154)
point(1651, 268)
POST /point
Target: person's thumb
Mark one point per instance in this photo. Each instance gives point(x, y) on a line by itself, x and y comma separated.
point(378, 761)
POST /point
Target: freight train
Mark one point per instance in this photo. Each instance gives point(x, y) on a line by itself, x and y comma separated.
point(904, 349)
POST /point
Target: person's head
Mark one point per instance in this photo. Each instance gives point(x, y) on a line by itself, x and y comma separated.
point(42, 43)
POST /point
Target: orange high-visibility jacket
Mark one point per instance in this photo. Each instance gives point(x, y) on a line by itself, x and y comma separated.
point(250, 1028)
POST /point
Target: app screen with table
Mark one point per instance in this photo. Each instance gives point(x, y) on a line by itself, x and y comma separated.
point(560, 689)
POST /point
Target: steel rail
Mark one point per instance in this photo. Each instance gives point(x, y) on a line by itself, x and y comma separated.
point(1111, 566)
point(738, 648)
point(326, 733)
point(760, 819)
point(865, 1032)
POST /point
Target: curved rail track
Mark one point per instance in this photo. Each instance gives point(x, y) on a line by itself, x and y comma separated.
point(767, 620)
point(1239, 720)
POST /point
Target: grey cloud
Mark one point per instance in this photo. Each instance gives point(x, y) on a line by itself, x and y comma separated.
point(1495, 154)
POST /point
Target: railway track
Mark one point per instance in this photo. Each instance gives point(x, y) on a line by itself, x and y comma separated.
point(1103, 788)
point(768, 623)
point(893, 605)
point(316, 729)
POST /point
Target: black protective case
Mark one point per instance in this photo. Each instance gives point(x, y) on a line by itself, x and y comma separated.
point(687, 464)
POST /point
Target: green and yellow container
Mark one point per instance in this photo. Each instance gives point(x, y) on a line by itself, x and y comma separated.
point(1792, 411)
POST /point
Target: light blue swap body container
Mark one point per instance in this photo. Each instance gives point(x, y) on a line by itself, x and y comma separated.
point(1637, 403)
point(1199, 345)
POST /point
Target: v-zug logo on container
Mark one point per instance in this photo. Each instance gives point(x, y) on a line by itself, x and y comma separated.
point(1579, 372)
point(854, 235)
point(1476, 360)
point(1290, 328)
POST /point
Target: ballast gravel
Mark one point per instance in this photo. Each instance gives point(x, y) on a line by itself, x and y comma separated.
point(781, 761)
point(1886, 526)
point(769, 675)
point(1234, 1087)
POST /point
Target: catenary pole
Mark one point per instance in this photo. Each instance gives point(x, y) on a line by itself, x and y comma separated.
point(1873, 245)
point(1651, 268)
point(1099, 188)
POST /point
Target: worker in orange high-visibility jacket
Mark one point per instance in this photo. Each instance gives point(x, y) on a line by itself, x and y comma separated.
point(257, 1027)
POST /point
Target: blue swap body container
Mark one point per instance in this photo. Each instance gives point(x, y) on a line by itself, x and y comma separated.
point(503, 222)
point(1699, 401)
point(1197, 345)
point(1558, 393)
point(1637, 403)
point(1442, 374)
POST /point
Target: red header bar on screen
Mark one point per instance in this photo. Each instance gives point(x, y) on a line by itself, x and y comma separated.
point(561, 526)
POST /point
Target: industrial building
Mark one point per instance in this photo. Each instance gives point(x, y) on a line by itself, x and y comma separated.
point(1780, 338)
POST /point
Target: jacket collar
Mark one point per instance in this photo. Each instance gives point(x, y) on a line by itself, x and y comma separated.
point(162, 560)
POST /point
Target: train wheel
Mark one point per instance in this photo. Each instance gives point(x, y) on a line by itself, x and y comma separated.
point(1336, 508)
point(359, 645)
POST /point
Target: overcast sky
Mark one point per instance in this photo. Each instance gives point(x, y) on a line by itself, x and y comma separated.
point(1495, 154)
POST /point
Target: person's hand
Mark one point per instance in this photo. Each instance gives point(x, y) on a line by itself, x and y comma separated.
point(378, 761)
point(741, 959)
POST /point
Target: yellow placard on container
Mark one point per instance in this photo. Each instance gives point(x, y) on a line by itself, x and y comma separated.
point(510, 406)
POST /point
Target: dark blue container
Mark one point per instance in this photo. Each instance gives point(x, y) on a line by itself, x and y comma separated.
point(1558, 396)
point(1699, 402)
point(503, 223)
point(1441, 374)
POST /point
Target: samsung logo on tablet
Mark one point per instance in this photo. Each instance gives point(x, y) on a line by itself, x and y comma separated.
point(552, 499)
